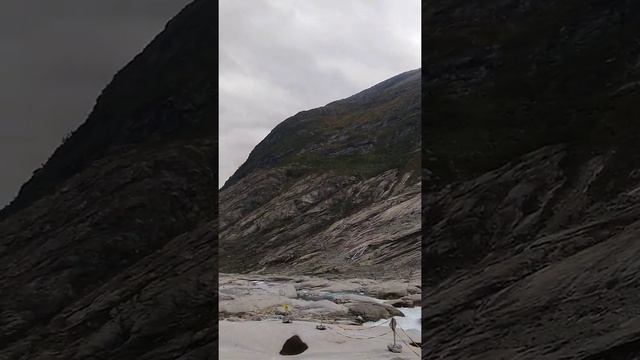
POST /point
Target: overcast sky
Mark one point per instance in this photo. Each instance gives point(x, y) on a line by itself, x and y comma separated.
point(279, 57)
point(56, 56)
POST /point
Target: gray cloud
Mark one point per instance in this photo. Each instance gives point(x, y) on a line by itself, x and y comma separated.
point(55, 58)
point(278, 57)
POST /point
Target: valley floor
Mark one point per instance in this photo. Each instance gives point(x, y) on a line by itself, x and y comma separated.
point(356, 313)
point(264, 339)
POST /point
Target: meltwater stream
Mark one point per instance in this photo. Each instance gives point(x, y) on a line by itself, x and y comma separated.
point(410, 321)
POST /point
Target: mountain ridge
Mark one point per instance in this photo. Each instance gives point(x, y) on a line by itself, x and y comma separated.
point(349, 161)
point(296, 124)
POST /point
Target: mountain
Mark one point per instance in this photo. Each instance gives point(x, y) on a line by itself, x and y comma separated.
point(109, 249)
point(331, 190)
point(531, 179)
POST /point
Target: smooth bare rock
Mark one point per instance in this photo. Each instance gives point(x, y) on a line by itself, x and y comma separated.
point(389, 290)
point(262, 297)
point(374, 311)
point(251, 303)
point(414, 299)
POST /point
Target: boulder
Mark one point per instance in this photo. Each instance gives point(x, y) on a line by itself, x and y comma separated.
point(406, 302)
point(401, 303)
point(293, 346)
point(390, 290)
point(374, 311)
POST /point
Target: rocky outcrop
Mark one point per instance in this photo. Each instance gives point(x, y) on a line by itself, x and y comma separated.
point(374, 311)
point(524, 255)
point(531, 207)
point(324, 223)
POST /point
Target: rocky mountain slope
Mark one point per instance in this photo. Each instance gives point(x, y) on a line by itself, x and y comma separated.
point(109, 250)
point(532, 180)
point(331, 190)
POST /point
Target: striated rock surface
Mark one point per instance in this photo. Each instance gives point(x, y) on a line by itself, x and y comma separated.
point(527, 247)
point(109, 250)
point(331, 190)
point(531, 205)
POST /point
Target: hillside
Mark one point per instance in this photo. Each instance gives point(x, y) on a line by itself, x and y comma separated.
point(531, 180)
point(109, 249)
point(331, 190)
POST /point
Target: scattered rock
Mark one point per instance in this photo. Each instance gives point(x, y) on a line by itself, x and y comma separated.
point(293, 346)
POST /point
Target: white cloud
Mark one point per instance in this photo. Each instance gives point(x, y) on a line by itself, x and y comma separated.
point(279, 57)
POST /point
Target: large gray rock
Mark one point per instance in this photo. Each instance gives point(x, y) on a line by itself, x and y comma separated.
point(390, 290)
point(374, 311)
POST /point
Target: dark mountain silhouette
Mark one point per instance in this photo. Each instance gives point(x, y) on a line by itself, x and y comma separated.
point(531, 179)
point(109, 249)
